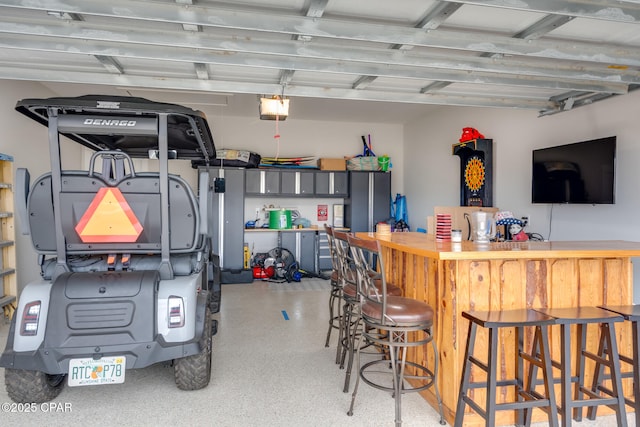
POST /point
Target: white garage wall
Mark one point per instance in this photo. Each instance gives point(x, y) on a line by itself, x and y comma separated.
point(308, 138)
point(432, 172)
point(27, 142)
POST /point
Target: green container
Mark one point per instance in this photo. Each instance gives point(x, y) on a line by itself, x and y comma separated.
point(280, 219)
point(383, 162)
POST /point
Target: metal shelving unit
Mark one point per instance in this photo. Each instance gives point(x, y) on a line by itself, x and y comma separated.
point(8, 285)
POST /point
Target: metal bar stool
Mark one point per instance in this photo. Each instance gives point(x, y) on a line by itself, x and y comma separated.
point(526, 398)
point(335, 296)
point(630, 313)
point(349, 295)
point(352, 324)
point(395, 322)
point(582, 317)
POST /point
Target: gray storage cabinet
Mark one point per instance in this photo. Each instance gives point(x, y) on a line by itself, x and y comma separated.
point(332, 184)
point(296, 183)
point(261, 182)
point(369, 200)
point(302, 244)
point(228, 217)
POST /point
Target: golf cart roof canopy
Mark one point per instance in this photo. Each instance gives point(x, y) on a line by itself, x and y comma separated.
point(128, 124)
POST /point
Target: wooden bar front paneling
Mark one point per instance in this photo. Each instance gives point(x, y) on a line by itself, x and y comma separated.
point(453, 278)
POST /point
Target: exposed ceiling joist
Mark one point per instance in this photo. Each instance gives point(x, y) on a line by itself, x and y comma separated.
point(438, 13)
point(202, 71)
point(368, 70)
point(286, 76)
point(315, 10)
point(341, 29)
point(257, 88)
point(141, 44)
point(541, 55)
point(609, 10)
point(543, 26)
point(110, 64)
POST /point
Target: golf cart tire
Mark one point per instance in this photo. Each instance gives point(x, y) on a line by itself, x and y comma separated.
point(194, 372)
point(32, 386)
point(216, 298)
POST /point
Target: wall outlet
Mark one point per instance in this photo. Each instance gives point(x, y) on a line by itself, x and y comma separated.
point(526, 219)
point(257, 213)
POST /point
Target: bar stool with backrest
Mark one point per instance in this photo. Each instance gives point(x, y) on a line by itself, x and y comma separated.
point(584, 396)
point(335, 296)
point(347, 276)
point(526, 398)
point(395, 322)
point(630, 313)
point(351, 314)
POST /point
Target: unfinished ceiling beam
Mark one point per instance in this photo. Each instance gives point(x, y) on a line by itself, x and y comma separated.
point(609, 10)
point(438, 13)
point(110, 64)
point(434, 87)
point(542, 27)
point(339, 56)
point(169, 83)
point(202, 71)
point(315, 10)
point(363, 81)
point(352, 30)
point(186, 26)
point(110, 38)
point(286, 76)
point(367, 69)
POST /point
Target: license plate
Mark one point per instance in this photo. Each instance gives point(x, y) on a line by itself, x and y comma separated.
point(89, 371)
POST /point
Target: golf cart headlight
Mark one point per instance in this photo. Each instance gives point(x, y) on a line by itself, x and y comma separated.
point(176, 312)
point(30, 317)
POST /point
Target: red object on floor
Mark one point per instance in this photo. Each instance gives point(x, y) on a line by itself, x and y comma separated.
point(263, 273)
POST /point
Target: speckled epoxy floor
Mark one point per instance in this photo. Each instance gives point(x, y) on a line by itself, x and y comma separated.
point(267, 371)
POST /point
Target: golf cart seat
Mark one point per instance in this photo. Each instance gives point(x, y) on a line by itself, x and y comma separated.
point(98, 237)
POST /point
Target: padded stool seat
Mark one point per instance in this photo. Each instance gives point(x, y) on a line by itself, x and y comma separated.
point(582, 317)
point(526, 396)
point(401, 311)
point(630, 313)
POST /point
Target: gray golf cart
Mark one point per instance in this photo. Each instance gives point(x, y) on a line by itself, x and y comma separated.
point(128, 278)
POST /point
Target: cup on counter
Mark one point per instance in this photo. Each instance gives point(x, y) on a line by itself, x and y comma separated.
point(383, 230)
point(456, 236)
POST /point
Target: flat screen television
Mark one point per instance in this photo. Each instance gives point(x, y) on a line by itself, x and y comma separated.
point(582, 172)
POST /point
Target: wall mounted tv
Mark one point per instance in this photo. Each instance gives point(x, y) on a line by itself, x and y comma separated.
point(582, 172)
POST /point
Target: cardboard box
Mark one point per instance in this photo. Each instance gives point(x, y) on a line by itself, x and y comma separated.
point(332, 164)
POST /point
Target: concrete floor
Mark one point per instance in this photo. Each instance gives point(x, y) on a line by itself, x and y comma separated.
point(267, 371)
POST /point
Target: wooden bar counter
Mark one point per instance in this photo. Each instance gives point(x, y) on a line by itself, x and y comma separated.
point(454, 277)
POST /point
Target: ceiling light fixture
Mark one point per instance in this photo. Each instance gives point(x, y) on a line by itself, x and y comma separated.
point(274, 108)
